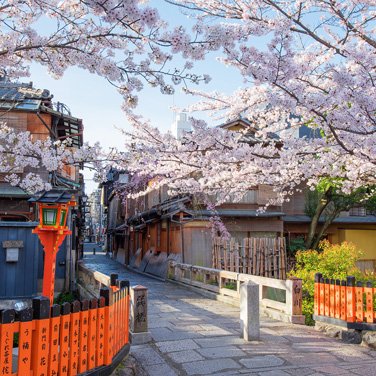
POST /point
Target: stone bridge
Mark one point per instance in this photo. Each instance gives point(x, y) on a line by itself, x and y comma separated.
point(194, 335)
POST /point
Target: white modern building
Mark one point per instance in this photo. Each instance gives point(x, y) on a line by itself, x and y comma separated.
point(181, 125)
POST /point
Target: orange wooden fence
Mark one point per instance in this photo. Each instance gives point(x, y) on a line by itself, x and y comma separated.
point(345, 300)
point(65, 340)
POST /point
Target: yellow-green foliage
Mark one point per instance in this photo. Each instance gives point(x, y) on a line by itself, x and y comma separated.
point(334, 261)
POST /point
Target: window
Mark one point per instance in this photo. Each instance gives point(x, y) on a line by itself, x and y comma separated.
point(358, 211)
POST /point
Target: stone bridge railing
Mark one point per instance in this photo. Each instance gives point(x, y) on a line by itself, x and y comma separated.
point(278, 299)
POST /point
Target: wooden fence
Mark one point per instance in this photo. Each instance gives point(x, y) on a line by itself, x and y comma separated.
point(264, 257)
point(65, 340)
point(345, 301)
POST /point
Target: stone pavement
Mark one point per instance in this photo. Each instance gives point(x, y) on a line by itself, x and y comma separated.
point(193, 335)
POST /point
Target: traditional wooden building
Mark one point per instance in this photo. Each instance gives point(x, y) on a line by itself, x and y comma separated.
point(357, 226)
point(146, 231)
point(25, 108)
point(114, 210)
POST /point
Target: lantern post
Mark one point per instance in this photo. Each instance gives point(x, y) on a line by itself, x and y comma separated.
point(53, 209)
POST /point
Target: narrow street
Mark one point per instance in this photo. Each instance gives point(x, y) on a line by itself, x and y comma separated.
point(193, 335)
point(90, 248)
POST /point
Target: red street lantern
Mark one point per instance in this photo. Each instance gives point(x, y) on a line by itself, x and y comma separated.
point(52, 229)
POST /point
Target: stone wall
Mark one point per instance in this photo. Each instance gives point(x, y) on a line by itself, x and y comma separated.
point(154, 263)
point(89, 283)
point(364, 337)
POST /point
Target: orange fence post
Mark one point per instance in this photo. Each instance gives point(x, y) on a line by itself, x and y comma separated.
point(350, 298)
point(359, 309)
point(24, 341)
point(111, 330)
point(40, 342)
point(65, 319)
point(74, 338)
point(53, 361)
point(121, 318)
point(374, 313)
point(332, 298)
point(128, 307)
point(116, 329)
point(7, 317)
point(124, 319)
point(93, 317)
point(108, 325)
point(114, 311)
point(83, 336)
point(337, 293)
point(316, 301)
point(127, 315)
point(343, 307)
point(99, 360)
point(327, 297)
point(369, 302)
point(126, 312)
point(322, 297)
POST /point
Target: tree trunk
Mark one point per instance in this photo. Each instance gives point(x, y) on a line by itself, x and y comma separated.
point(323, 228)
point(314, 223)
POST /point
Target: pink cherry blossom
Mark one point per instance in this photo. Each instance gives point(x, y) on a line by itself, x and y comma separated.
point(305, 63)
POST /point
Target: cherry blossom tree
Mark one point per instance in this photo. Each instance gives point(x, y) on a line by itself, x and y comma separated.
point(124, 41)
point(22, 159)
point(306, 63)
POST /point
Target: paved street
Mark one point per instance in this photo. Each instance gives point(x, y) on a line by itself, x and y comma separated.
point(193, 335)
point(91, 247)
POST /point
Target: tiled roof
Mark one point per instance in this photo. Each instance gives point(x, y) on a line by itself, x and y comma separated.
point(19, 91)
point(349, 219)
point(22, 96)
point(7, 191)
point(250, 135)
point(240, 213)
point(54, 196)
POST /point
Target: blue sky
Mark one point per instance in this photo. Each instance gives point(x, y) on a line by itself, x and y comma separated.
point(98, 103)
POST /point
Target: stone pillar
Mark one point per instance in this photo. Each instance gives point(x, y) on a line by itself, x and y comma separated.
point(250, 311)
point(294, 299)
point(139, 315)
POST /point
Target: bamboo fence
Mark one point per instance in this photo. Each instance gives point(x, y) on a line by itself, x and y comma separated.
point(264, 257)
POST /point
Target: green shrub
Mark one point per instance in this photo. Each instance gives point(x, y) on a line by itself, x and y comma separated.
point(199, 278)
point(64, 297)
point(212, 281)
point(295, 245)
point(334, 261)
point(16, 338)
point(307, 310)
point(230, 285)
point(368, 277)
